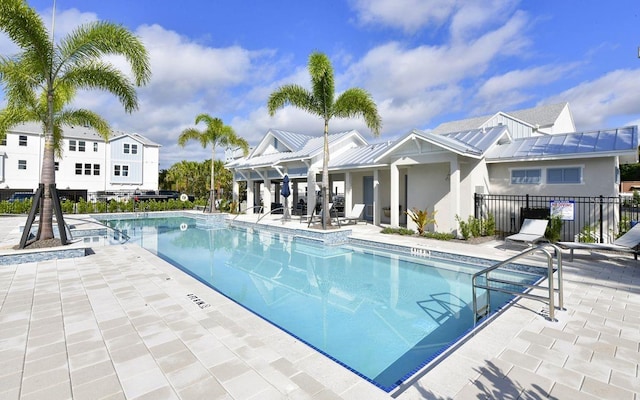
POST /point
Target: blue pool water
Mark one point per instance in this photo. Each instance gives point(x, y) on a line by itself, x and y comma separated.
point(382, 315)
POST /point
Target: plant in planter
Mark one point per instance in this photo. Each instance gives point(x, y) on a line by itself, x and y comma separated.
point(421, 218)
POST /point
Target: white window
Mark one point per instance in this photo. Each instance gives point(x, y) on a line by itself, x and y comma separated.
point(22, 141)
point(78, 168)
point(95, 146)
point(566, 175)
point(87, 169)
point(526, 176)
point(134, 149)
point(125, 149)
point(56, 166)
point(22, 164)
point(96, 169)
point(3, 141)
point(125, 170)
point(116, 170)
point(81, 145)
point(72, 145)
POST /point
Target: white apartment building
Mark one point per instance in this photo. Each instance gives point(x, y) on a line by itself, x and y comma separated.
point(126, 162)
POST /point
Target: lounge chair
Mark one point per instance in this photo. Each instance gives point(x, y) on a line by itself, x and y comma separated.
point(627, 243)
point(316, 215)
point(354, 216)
point(531, 232)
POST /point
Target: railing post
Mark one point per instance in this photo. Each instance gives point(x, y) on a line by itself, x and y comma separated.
point(601, 222)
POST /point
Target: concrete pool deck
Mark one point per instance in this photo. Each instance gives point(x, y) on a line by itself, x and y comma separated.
point(122, 323)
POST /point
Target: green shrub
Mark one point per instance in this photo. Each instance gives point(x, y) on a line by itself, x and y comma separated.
point(398, 231)
point(553, 229)
point(439, 235)
point(465, 229)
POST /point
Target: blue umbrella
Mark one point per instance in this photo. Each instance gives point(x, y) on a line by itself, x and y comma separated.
point(286, 192)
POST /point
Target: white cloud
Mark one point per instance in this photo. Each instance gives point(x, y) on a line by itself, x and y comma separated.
point(511, 89)
point(597, 103)
point(408, 15)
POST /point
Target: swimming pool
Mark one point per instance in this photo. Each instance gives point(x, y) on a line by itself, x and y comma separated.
point(382, 315)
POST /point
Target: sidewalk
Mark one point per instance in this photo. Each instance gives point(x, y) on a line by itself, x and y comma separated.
point(122, 323)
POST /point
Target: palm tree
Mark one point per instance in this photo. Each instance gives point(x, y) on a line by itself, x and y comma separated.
point(216, 133)
point(44, 77)
point(354, 102)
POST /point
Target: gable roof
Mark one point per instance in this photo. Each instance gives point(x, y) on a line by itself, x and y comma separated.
point(621, 141)
point(544, 115)
point(313, 146)
point(471, 143)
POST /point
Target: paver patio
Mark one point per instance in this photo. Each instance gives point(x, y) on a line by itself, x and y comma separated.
point(120, 323)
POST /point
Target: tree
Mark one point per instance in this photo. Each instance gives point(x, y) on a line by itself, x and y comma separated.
point(44, 77)
point(215, 133)
point(354, 102)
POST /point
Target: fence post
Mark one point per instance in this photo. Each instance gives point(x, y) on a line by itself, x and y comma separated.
point(526, 201)
point(601, 222)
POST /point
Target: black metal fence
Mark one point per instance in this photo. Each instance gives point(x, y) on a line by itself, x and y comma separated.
point(585, 219)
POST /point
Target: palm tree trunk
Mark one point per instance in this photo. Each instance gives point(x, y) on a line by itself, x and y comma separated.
point(47, 177)
point(326, 216)
point(212, 196)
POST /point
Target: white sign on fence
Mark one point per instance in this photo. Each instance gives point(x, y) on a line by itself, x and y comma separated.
point(563, 209)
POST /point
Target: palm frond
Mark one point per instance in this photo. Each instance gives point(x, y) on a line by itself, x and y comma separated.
point(294, 95)
point(91, 41)
point(100, 75)
point(84, 117)
point(356, 102)
point(25, 28)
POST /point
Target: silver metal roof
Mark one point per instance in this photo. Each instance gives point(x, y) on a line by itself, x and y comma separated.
point(544, 115)
point(569, 144)
point(312, 147)
point(294, 141)
point(361, 156)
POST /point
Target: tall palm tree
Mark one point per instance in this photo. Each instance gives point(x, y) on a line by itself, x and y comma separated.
point(354, 102)
point(44, 77)
point(215, 133)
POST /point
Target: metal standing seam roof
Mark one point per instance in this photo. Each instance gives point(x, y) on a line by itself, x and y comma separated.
point(293, 141)
point(544, 115)
point(361, 156)
point(579, 144)
point(312, 147)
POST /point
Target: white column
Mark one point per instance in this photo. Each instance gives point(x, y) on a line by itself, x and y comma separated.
point(376, 198)
point(454, 192)
point(395, 196)
point(266, 195)
point(348, 193)
point(250, 196)
point(311, 191)
point(236, 191)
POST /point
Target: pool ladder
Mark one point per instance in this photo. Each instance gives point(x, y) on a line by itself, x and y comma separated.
point(480, 312)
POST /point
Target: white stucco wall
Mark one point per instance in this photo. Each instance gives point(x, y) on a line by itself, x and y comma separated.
point(598, 178)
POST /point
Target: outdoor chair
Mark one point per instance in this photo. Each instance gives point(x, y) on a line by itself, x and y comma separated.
point(627, 243)
point(317, 214)
point(531, 232)
point(354, 216)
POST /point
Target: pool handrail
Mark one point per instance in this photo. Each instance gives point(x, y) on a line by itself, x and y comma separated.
point(550, 271)
point(245, 211)
point(269, 212)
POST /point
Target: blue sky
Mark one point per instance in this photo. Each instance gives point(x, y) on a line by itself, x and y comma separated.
point(424, 62)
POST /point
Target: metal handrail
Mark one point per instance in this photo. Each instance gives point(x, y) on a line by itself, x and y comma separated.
point(270, 212)
point(245, 211)
point(550, 272)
